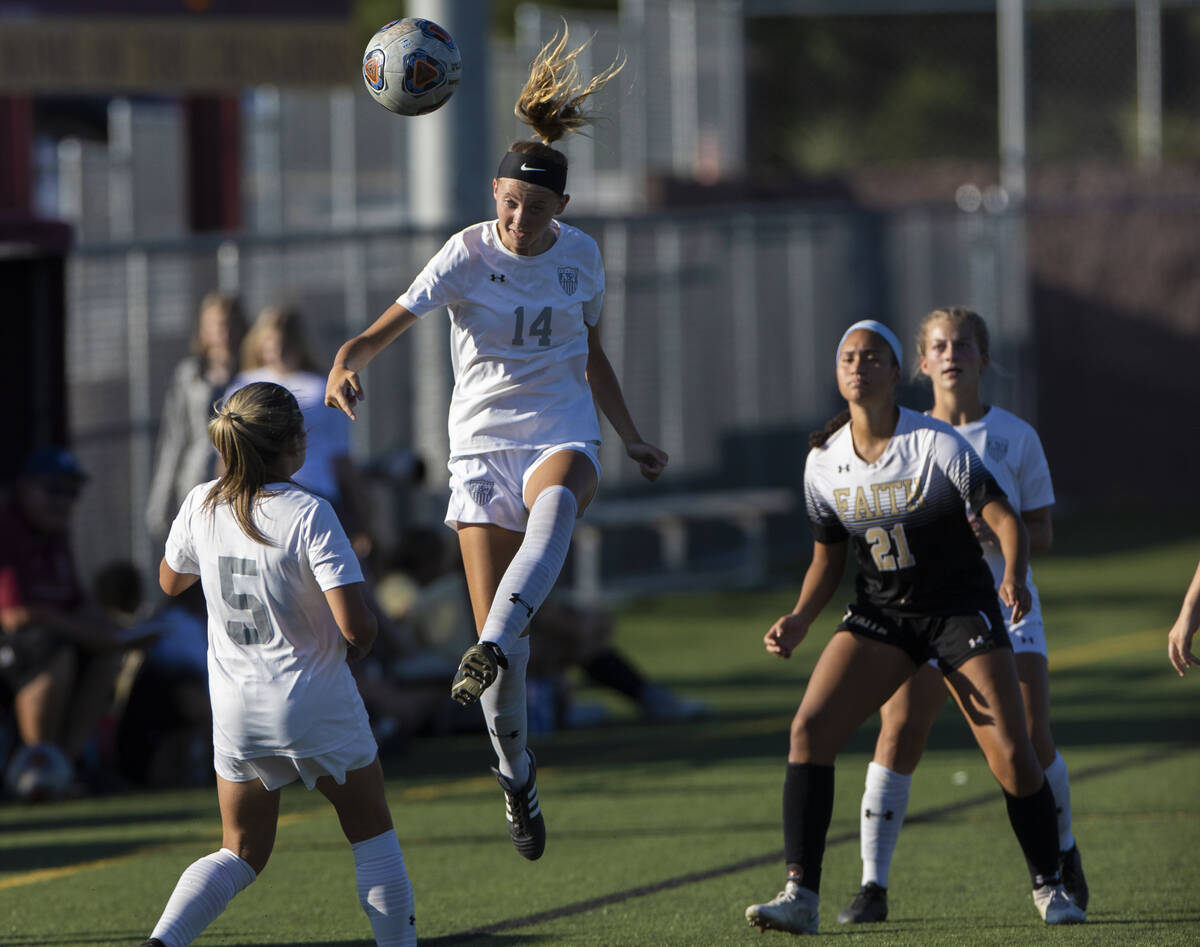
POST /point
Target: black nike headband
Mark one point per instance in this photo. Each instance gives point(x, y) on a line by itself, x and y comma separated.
point(534, 170)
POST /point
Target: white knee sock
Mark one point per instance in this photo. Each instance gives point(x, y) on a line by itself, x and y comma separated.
point(384, 890)
point(203, 891)
point(1060, 785)
point(504, 712)
point(884, 803)
point(532, 573)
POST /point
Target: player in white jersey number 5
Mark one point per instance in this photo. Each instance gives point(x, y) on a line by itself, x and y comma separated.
point(524, 294)
point(895, 485)
point(953, 345)
point(283, 592)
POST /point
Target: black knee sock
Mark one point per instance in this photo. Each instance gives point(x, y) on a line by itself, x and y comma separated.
point(807, 809)
point(609, 669)
point(1034, 821)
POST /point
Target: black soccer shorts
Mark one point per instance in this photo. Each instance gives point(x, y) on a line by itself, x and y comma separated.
point(950, 639)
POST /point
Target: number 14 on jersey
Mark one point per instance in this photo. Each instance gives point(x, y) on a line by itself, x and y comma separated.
point(540, 327)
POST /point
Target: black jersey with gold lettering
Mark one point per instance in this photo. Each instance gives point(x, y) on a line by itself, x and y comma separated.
point(906, 515)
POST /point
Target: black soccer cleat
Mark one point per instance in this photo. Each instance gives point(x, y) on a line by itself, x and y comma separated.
point(1070, 870)
point(476, 671)
point(868, 907)
point(153, 942)
point(526, 827)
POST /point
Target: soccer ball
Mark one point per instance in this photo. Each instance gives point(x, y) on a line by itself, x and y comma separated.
point(411, 66)
point(38, 773)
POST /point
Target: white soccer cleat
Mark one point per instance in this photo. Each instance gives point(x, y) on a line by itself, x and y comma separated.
point(793, 910)
point(1056, 907)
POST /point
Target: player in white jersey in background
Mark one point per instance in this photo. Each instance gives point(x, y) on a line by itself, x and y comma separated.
point(277, 348)
point(524, 294)
point(953, 345)
point(284, 595)
point(896, 486)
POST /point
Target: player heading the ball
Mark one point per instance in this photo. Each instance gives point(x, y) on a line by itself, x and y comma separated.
point(524, 293)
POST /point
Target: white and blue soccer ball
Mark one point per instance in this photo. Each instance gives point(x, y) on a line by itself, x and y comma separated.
point(411, 66)
point(38, 773)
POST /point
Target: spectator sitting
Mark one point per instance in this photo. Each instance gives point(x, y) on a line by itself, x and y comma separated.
point(570, 635)
point(59, 653)
point(427, 590)
point(165, 732)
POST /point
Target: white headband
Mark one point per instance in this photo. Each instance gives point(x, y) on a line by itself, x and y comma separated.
point(879, 329)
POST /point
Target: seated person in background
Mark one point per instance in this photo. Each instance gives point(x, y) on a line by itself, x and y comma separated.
point(164, 719)
point(403, 680)
point(571, 635)
point(425, 588)
point(59, 653)
point(165, 736)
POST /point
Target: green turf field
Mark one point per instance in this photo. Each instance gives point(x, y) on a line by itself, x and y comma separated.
point(663, 834)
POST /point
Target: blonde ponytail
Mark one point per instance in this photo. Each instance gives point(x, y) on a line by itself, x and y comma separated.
point(551, 102)
point(251, 429)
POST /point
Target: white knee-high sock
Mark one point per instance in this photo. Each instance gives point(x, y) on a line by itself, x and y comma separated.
point(1060, 785)
point(532, 573)
point(203, 891)
point(505, 714)
point(884, 803)
point(384, 890)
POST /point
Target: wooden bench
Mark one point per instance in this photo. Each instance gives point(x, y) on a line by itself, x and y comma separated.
point(668, 515)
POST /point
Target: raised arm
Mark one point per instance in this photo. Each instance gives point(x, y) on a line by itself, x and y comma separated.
point(356, 622)
point(606, 391)
point(343, 389)
point(821, 580)
point(1014, 544)
point(1179, 641)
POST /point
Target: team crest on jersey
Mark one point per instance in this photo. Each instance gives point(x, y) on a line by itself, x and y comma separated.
point(997, 448)
point(568, 279)
point(481, 490)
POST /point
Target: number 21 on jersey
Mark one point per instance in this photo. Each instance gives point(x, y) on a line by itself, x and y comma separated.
point(889, 548)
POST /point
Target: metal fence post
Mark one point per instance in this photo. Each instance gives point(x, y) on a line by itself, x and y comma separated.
point(141, 415)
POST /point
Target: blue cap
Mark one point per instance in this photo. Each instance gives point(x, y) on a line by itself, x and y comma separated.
point(52, 462)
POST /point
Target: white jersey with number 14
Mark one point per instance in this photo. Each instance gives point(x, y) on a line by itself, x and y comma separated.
point(518, 335)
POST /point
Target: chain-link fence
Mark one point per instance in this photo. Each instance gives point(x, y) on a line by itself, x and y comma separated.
point(717, 324)
point(720, 320)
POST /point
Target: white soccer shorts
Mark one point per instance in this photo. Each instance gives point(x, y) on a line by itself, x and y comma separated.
point(490, 487)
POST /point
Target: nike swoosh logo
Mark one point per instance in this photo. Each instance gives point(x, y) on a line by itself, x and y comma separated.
point(525, 167)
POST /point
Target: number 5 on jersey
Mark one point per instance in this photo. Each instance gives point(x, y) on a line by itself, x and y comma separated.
point(889, 548)
point(260, 630)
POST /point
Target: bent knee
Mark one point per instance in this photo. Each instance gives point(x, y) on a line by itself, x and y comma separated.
point(254, 853)
point(899, 747)
point(807, 742)
point(1043, 746)
point(1016, 768)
